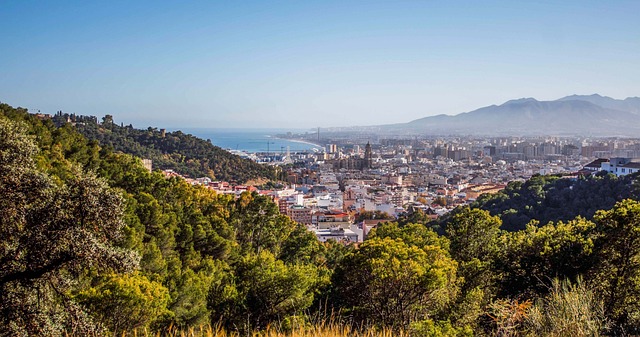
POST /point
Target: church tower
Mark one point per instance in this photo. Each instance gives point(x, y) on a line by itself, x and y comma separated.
point(367, 156)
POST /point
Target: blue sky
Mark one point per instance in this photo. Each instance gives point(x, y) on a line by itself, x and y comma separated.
point(309, 63)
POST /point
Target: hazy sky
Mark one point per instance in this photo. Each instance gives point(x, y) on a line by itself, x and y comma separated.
point(309, 63)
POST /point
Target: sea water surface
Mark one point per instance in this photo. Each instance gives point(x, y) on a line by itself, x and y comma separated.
point(251, 140)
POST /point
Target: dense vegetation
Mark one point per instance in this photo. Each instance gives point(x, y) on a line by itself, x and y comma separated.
point(182, 242)
point(183, 153)
point(554, 198)
point(92, 243)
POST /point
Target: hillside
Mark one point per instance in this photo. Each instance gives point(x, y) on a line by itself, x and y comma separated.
point(94, 244)
point(553, 198)
point(183, 153)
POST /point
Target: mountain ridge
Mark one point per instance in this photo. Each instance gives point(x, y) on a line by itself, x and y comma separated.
point(570, 115)
point(630, 104)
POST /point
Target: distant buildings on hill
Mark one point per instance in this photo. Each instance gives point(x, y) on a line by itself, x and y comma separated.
point(618, 166)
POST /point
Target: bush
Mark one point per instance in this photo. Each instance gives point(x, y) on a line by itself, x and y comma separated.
point(568, 310)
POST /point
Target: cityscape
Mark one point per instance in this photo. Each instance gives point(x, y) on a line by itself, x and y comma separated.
point(390, 176)
point(326, 190)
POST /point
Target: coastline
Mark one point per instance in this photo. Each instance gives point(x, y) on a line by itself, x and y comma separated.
point(298, 140)
point(251, 140)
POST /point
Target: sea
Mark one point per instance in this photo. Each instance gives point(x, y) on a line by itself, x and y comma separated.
point(252, 140)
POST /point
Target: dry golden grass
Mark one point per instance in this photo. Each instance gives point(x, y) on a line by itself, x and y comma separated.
point(319, 331)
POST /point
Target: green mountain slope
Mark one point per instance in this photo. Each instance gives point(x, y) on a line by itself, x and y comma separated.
point(192, 256)
point(554, 198)
point(183, 153)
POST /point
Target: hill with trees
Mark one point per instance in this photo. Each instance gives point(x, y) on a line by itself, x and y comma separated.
point(71, 206)
point(555, 198)
point(183, 153)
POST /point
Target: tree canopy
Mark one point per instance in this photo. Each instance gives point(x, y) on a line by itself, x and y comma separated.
point(52, 234)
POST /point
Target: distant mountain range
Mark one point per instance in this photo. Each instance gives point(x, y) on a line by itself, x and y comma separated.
point(588, 115)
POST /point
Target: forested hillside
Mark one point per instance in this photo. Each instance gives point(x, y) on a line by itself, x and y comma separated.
point(183, 153)
point(183, 243)
point(555, 198)
point(91, 243)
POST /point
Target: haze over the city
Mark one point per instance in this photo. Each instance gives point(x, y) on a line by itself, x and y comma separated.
point(305, 64)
